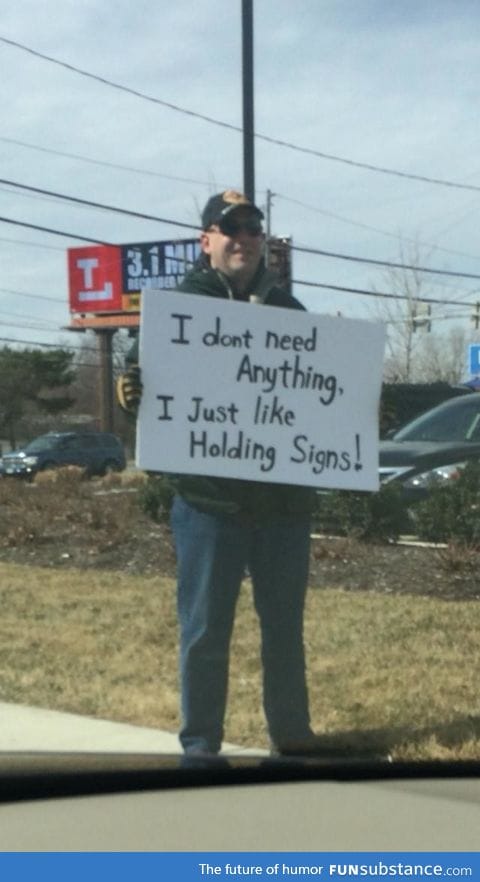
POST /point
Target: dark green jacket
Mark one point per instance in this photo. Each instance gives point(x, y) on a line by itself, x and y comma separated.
point(254, 499)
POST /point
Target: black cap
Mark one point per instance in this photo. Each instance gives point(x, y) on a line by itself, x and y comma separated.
point(222, 204)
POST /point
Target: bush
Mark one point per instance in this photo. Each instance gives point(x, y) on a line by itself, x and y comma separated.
point(452, 510)
point(66, 476)
point(368, 516)
point(155, 497)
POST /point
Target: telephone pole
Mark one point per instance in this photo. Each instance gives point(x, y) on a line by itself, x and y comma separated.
point(247, 81)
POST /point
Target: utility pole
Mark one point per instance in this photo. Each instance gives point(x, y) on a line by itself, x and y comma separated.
point(105, 338)
point(268, 225)
point(476, 315)
point(247, 81)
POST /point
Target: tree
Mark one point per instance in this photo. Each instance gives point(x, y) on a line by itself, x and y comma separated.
point(405, 314)
point(32, 380)
point(442, 357)
point(412, 354)
point(85, 386)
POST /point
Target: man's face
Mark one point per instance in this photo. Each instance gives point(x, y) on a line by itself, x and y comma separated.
point(235, 251)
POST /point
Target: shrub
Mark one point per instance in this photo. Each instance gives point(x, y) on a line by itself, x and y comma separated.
point(67, 476)
point(368, 516)
point(452, 510)
point(155, 498)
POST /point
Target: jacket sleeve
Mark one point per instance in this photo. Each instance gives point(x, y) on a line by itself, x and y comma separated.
point(133, 354)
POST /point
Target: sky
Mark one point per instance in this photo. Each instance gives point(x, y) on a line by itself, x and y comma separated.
point(356, 103)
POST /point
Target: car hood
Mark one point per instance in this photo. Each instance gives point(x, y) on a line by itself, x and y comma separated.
point(425, 454)
point(47, 774)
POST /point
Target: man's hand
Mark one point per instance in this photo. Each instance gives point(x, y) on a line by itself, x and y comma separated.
point(129, 390)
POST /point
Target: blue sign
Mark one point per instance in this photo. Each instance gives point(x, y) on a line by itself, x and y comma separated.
point(474, 359)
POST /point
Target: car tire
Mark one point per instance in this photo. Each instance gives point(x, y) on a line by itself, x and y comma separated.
point(111, 466)
point(49, 464)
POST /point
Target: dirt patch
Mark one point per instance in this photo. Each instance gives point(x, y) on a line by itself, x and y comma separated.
point(450, 573)
point(67, 522)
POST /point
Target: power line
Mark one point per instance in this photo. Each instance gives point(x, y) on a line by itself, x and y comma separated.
point(388, 263)
point(90, 204)
point(368, 227)
point(17, 223)
point(63, 346)
point(33, 296)
point(322, 285)
point(364, 292)
point(31, 244)
point(41, 323)
point(86, 203)
point(36, 343)
point(418, 320)
point(294, 248)
point(276, 141)
point(114, 165)
point(316, 209)
point(302, 249)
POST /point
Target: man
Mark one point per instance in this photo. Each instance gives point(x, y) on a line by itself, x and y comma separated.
point(224, 526)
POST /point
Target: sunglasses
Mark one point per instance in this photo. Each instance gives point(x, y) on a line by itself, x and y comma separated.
point(231, 226)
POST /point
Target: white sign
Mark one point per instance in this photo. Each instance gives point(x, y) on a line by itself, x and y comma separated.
point(258, 392)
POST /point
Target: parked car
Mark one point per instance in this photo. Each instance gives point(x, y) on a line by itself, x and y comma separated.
point(433, 447)
point(96, 452)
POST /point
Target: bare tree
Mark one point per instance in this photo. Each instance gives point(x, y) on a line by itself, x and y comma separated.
point(442, 357)
point(86, 384)
point(406, 313)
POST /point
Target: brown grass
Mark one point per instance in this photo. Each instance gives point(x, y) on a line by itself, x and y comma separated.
point(398, 669)
point(61, 504)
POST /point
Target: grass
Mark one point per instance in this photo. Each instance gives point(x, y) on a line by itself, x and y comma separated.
point(397, 669)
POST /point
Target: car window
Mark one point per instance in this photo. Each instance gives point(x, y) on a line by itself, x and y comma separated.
point(70, 443)
point(444, 424)
point(89, 442)
point(44, 442)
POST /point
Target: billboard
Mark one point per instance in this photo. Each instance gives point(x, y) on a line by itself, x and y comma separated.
point(94, 276)
point(110, 278)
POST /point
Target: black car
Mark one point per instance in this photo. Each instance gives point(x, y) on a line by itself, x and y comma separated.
point(96, 452)
point(433, 447)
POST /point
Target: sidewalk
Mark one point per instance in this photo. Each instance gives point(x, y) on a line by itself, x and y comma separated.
point(33, 729)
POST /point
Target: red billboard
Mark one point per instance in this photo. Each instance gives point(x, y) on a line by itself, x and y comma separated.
point(95, 279)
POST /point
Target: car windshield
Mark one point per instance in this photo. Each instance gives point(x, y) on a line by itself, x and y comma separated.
point(44, 442)
point(460, 423)
point(248, 571)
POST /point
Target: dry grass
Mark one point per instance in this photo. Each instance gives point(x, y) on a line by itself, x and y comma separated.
point(59, 504)
point(400, 669)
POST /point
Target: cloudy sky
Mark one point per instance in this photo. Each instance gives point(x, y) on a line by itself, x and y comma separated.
point(347, 86)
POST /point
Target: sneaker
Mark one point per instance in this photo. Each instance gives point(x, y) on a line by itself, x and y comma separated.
point(199, 758)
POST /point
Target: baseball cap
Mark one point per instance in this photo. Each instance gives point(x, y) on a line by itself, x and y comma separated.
point(223, 204)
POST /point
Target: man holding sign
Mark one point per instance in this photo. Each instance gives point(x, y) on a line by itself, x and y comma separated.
point(224, 526)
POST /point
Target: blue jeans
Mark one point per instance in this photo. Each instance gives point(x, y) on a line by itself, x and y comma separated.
point(213, 552)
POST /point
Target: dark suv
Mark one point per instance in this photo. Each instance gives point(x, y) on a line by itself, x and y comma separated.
point(96, 452)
